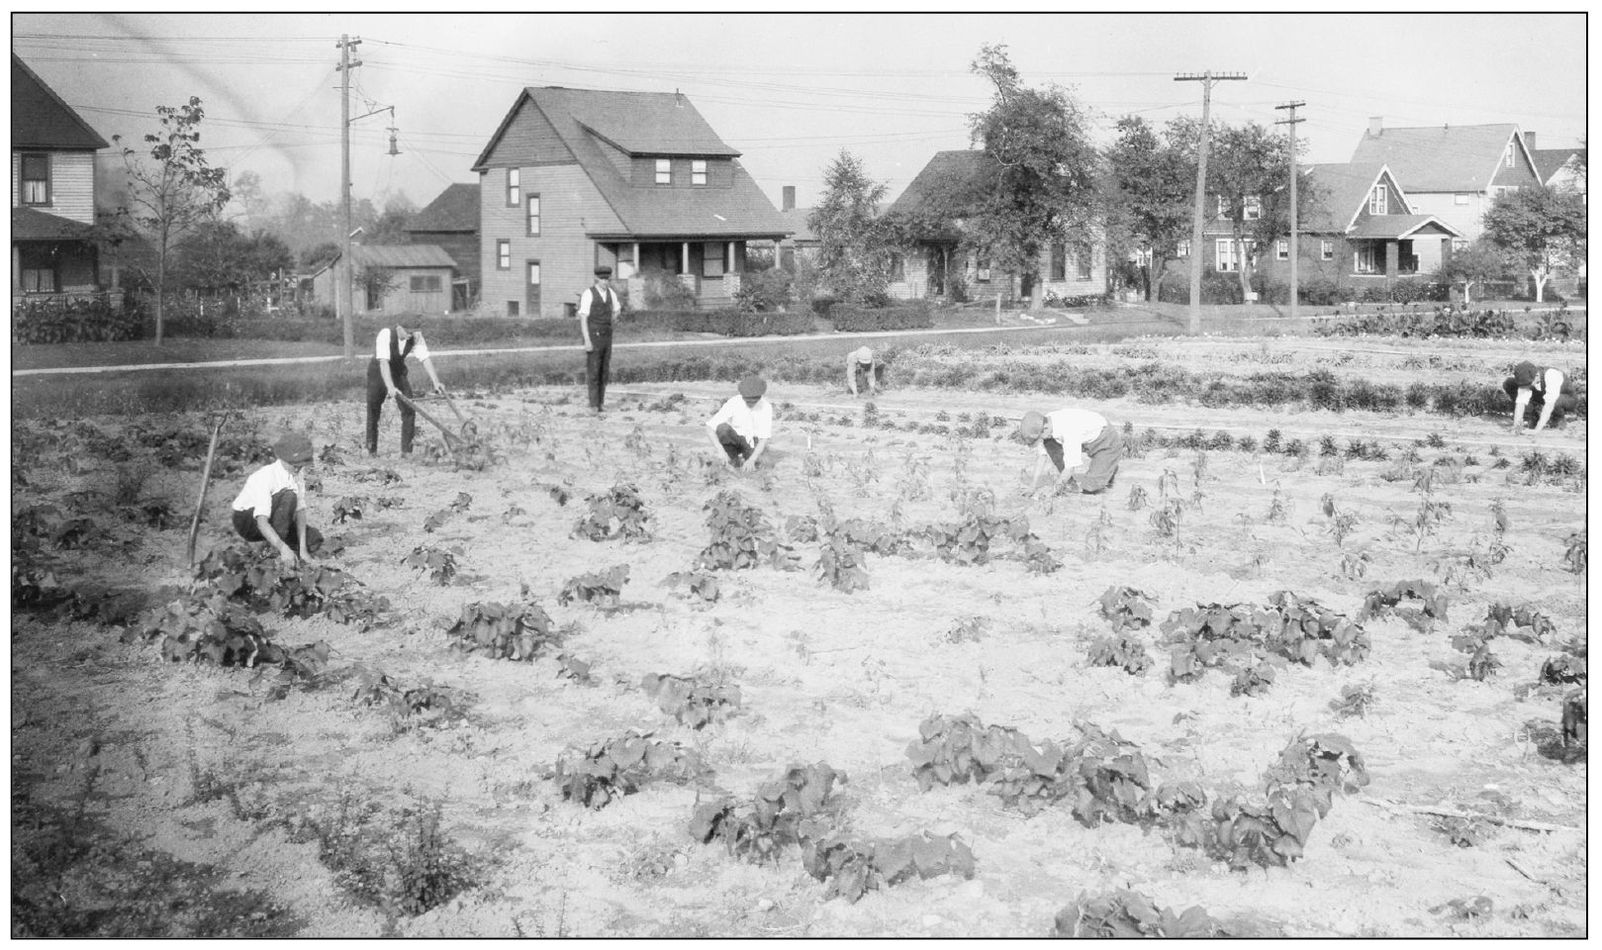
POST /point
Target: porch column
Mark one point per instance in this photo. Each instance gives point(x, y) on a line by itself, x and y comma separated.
point(684, 257)
point(728, 262)
point(1393, 258)
point(636, 258)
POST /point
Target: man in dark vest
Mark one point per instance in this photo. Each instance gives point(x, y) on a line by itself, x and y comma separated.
point(386, 376)
point(598, 306)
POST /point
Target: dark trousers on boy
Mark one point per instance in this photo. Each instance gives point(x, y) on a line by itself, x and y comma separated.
point(735, 444)
point(1102, 454)
point(1566, 401)
point(282, 519)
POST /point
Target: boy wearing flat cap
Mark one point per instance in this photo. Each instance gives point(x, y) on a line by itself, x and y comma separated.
point(598, 305)
point(1546, 390)
point(1096, 444)
point(742, 428)
point(273, 502)
point(861, 362)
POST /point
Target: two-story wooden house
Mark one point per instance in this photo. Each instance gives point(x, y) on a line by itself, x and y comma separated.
point(638, 181)
point(450, 222)
point(52, 193)
point(1453, 172)
point(1070, 266)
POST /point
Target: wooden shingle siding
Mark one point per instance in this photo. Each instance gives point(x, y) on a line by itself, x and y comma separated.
point(570, 209)
point(528, 140)
point(72, 185)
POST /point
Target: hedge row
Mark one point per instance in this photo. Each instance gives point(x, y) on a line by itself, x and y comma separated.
point(915, 316)
point(734, 323)
point(77, 321)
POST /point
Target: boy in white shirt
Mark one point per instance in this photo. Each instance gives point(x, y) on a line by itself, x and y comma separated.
point(744, 425)
point(861, 361)
point(273, 502)
point(1098, 446)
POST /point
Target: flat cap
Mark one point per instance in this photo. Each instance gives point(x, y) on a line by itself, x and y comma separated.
point(752, 387)
point(294, 448)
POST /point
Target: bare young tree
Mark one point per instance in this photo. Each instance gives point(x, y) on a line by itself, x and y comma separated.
point(173, 190)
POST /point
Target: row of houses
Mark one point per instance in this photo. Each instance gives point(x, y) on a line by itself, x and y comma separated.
point(640, 182)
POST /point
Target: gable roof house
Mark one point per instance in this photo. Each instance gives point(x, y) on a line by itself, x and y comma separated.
point(935, 265)
point(392, 279)
point(1364, 230)
point(53, 254)
point(450, 222)
point(1453, 172)
point(638, 181)
point(1558, 167)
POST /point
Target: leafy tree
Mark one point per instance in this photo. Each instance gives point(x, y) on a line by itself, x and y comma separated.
point(1248, 167)
point(173, 191)
point(216, 256)
point(1477, 263)
point(1147, 194)
point(1045, 186)
point(1538, 230)
point(317, 255)
point(853, 251)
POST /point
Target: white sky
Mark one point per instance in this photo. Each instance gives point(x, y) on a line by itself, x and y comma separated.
point(788, 91)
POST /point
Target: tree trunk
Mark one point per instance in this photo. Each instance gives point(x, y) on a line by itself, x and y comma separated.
point(1243, 269)
point(161, 292)
point(1037, 296)
point(1539, 276)
point(1150, 273)
point(1467, 285)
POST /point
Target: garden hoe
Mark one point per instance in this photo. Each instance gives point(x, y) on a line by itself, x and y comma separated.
point(467, 438)
point(205, 484)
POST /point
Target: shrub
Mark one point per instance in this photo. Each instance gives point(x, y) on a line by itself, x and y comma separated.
point(663, 291)
point(1216, 288)
point(735, 323)
point(72, 321)
point(1322, 292)
point(764, 291)
point(852, 318)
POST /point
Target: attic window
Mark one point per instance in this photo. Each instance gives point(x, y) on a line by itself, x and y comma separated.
point(1376, 201)
point(664, 171)
point(1508, 160)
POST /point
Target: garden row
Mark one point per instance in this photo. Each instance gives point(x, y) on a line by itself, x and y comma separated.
point(1451, 322)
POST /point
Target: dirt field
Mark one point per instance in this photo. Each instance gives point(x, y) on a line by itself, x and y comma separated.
point(186, 799)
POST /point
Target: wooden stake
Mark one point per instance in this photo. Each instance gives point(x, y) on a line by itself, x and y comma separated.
point(205, 484)
point(1449, 813)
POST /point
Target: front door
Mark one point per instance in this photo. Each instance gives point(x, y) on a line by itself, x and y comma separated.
point(533, 309)
point(936, 257)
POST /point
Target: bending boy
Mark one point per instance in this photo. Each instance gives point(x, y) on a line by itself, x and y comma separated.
point(1096, 443)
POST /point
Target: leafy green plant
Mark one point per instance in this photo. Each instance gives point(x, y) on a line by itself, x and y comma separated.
point(1355, 700)
point(741, 537)
point(1253, 680)
point(1123, 652)
point(842, 563)
point(852, 867)
point(1126, 608)
point(609, 769)
point(1564, 668)
point(438, 563)
point(699, 584)
point(1137, 498)
point(796, 806)
point(691, 702)
point(969, 541)
point(348, 508)
point(618, 513)
point(1574, 553)
point(1166, 518)
point(1129, 913)
point(400, 861)
point(267, 583)
point(601, 588)
point(504, 631)
point(1523, 622)
point(1387, 601)
point(424, 705)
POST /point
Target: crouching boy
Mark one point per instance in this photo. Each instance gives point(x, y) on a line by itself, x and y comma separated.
point(1097, 446)
point(742, 428)
point(272, 505)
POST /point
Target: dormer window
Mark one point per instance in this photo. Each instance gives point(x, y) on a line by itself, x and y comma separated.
point(1253, 208)
point(1377, 201)
point(698, 171)
point(664, 171)
point(35, 179)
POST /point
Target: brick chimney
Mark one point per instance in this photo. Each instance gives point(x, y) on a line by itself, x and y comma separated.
point(1376, 124)
point(789, 198)
point(1529, 141)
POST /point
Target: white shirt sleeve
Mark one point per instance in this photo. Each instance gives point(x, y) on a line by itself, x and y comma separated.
point(381, 346)
point(584, 302)
point(421, 349)
point(1554, 383)
point(761, 419)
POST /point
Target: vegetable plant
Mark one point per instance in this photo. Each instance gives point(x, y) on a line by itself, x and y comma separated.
point(741, 537)
point(691, 702)
point(618, 513)
point(798, 805)
point(1126, 608)
point(1129, 913)
point(697, 583)
point(608, 769)
point(504, 631)
point(852, 867)
point(438, 563)
point(1387, 601)
point(601, 588)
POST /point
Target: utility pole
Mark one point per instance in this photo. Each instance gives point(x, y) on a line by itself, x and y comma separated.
point(342, 285)
point(1294, 287)
point(1206, 79)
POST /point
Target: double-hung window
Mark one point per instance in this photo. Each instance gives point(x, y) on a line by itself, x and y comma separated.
point(1366, 259)
point(1377, 201)
point(1326, 250)
point(1082, 260)
point(514, 187)
point(533, 215)
point(1282, 249)
point(712, 259)
point(1182, 249)
point(503, 254)
point(1224, 255)
point(698, 171)
point(1059, 261)
point(664, 171)
point(1252, 209)
point(35, 179)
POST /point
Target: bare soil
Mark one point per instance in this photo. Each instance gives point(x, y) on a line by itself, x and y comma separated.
point(118, 753)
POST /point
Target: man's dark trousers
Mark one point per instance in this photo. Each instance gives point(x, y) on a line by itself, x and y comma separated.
point(376, 394)
point(598, 365)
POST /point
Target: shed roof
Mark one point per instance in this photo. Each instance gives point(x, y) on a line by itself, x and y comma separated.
point(455, 209)
point(31, 224)
point(1439, 158)
point(400, 255)
point(39, 117)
